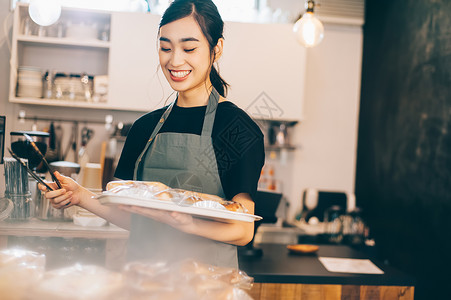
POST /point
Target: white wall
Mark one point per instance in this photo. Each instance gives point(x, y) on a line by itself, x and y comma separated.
point(328, 133)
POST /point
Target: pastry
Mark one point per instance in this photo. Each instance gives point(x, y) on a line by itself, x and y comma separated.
point(164, 195)
point(234, 206)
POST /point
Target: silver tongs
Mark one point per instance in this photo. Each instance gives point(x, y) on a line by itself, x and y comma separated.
point(36, 149)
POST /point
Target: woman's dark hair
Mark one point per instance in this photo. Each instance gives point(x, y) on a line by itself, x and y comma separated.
point(207, 16)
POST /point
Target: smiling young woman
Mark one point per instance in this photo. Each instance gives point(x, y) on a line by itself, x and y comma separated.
point(200, 142)
point(185, 59)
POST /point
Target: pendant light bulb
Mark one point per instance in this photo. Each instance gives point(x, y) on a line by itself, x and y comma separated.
point(44, 12)
point(309, 31)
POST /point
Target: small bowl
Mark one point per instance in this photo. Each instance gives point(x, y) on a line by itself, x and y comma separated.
point(303, 248)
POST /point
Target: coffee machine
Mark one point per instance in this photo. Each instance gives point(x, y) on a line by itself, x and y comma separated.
point(266, 204)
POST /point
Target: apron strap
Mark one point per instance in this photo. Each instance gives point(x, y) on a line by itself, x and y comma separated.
point(152, 136)
point(207, 127)
point(161, 121)
point(210, 113)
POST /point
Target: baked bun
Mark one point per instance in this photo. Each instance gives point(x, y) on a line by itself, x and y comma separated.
point(234, 206)
point(164, 195)
point(210, 197)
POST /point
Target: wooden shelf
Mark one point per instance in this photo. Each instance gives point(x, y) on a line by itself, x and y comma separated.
point(75, 104)
point(55, 102)
point(63, 42)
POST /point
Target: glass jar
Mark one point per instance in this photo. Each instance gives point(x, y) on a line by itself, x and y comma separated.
point(23, 206)
point(87, 85)
point(334, 224)
point(48, 84)
point(61, 85)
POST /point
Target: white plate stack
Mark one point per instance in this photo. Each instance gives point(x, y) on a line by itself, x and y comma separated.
point(29, 82)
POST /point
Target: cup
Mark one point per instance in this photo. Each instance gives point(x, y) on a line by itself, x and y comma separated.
point(92, 176)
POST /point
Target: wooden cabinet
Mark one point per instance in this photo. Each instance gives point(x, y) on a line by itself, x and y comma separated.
point(136, 81)
point(280, 291)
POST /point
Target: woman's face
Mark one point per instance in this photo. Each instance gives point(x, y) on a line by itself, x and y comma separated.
point(184, 55)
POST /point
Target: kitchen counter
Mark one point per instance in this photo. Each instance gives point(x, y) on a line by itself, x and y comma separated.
point(279, 274)
point(35, 227)
point(115, 237)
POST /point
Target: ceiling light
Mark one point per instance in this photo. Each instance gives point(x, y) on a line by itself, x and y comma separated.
point(308, 29)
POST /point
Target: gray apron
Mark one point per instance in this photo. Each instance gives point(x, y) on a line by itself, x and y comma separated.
point(187, 161)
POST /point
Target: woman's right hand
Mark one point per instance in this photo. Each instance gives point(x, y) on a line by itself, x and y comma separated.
point(70, 194)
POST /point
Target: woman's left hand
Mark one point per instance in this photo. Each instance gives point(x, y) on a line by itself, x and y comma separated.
point(177, 220)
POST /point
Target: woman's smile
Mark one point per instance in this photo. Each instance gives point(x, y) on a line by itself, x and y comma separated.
point(179, 75)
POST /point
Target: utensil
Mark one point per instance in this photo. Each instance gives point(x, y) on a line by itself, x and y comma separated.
point(29, 170)
point(36, 149)
point(58, 140)
point(17, 190)
point(86, 135)
point(72, 145)
point(52, 154)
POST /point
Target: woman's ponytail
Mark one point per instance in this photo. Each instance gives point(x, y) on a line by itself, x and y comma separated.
point(218, 83)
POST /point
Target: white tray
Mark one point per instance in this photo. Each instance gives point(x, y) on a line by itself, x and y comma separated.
point(214, 214)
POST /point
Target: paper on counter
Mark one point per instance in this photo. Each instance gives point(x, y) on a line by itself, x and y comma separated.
point(350, 265)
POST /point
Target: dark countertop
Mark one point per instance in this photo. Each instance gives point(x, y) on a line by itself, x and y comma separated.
point(277, 265)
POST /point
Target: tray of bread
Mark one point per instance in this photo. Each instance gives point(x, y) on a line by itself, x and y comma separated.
point(157, 195)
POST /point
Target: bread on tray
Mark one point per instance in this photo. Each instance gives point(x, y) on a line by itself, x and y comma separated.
point(158, 191)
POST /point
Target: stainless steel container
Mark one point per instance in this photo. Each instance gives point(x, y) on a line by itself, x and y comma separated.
point(44, 209)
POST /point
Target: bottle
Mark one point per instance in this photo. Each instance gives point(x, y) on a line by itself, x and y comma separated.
point(270, 169)
point(27, 30)
point(48, 85)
